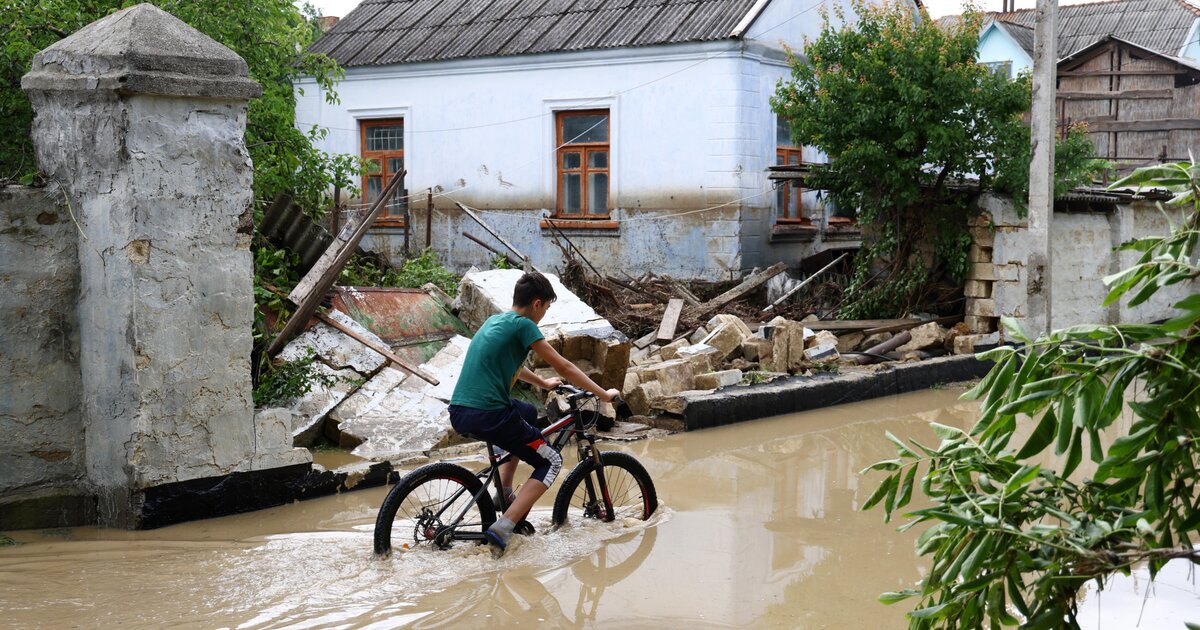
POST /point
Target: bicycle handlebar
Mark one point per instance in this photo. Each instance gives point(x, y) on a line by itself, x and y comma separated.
point(574, 393)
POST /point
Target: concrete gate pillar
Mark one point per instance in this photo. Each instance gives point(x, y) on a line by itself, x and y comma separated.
point(141, 119)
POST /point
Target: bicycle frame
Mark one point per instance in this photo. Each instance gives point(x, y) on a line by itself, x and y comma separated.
point(570, 425)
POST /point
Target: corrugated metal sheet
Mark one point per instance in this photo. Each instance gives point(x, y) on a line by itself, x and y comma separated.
point(401, 317)
point(1160, 25)
point(404, 31)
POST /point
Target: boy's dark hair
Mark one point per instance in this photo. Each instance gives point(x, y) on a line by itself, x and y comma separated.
point(532, 286)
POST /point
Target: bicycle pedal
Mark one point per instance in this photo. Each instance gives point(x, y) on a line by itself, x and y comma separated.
point(524, 528)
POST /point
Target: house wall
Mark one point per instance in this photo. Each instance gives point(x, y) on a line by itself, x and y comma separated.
point(995, 45)
point(678, 137)
point(1083, 255)
point(39, 348)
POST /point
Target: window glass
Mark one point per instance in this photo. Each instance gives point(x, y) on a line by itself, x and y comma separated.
point(571, 160)
point(374, 188)
point(598, 159)
point(585, 128)
point(385, 137)
point(598, 193)
point(783, 132)
point(571, 192)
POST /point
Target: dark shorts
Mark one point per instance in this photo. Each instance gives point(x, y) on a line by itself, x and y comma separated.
point(512, 430)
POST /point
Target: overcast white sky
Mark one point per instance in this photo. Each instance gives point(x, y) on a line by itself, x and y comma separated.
point(937, 8)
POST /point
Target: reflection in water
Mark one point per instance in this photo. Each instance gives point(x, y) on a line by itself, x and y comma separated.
point(760, 528)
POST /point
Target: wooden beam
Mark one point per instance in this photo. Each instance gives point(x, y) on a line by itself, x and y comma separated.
point(321, 277)
point(1163, 124)
point(1119, 94)
point(746, 287)
point(941, 321)
point(850, 325)
point(506, 257)
point(670, 320)
point(1124, 73)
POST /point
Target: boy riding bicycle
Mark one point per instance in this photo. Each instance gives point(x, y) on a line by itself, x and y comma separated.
point(481, 406)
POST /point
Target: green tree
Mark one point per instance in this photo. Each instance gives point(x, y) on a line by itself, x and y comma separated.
point(901, 108)
point(271, 35)
point(1008, 536)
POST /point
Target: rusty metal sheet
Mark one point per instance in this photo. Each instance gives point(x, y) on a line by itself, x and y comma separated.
point(401, 317)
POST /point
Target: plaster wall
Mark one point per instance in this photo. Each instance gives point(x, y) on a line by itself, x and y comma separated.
point(996, 46)
point(39, 346)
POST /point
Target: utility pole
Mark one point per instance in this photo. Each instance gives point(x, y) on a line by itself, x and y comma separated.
point(1041, 164)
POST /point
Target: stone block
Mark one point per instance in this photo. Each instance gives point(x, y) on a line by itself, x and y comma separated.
point(977, 289)
point(1008, 273)
point(670, 350)
point(697, 335)
point(755, 349)
point(640, 398)
point(822, 352)
point(848, 342)
point(980, 325)
point(727, 338)
point(982, 236)
point(965, 344)
point(672, 376)
point(822, 338)
point(632, 380)
point(703, 357)
point(714, 380)
point(929, 335)
point(979, 254)
point(982, 271)
point(732, 320)
point(787, 351)
point(611, 357)
point(981, 307)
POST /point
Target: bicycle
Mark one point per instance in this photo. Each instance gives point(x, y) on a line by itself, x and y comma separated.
point(440, 503)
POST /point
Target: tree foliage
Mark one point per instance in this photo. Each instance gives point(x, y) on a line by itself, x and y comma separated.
point(1013, 541)
point(901, 108)
point(271, 35)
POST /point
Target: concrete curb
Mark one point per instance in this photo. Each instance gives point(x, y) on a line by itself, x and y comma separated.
point(804, 393)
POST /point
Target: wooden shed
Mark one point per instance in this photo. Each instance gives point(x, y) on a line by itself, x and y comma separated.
point(1140, 106)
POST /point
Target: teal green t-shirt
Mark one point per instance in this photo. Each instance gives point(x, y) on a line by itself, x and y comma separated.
point(493, 360)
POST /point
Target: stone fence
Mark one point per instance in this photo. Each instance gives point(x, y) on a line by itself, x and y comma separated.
point(1001, 280)
point(128, 304)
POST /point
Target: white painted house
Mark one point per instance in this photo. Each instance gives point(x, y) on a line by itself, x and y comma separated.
point(644, 126)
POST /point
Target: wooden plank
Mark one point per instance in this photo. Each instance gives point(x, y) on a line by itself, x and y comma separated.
point(327, 275)
point(941, 321)
point(489, 230)
point(1119, 94)
point(1127, 73)
point(1164, 124)
point(747, 286)
point(670, 320)
point(850, 325)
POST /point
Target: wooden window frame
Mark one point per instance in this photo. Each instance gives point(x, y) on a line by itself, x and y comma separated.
point(584, 148)
point(782, 154)
point(385, 218)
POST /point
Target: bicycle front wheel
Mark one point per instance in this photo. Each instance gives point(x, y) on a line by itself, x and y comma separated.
point(419, 509)
point(630, 491)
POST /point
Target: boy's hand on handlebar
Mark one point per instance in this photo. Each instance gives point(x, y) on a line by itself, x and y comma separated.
point(553, 382)
point(611, 395)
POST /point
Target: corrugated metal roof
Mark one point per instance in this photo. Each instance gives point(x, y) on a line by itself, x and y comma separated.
point(380, 32)
point(1160, 25)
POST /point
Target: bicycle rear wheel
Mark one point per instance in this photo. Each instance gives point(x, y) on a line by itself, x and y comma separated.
point(417, 509)
point(629, 487)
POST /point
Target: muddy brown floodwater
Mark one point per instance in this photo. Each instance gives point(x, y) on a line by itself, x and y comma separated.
point(759, 527)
